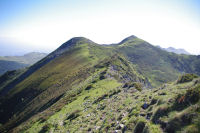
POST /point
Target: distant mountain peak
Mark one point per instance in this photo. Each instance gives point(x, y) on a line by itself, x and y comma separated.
point(174, 50)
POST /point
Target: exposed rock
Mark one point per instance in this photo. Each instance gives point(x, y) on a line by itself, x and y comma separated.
point(145, 106)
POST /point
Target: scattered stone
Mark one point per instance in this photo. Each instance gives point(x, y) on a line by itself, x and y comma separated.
point(121, 125)
point(88, 115)
point(117, 131)
point(60, 123)
point(145, 106)
point(97, 127)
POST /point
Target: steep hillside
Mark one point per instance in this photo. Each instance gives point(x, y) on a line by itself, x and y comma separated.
point(62, 72)
point(85, 87)
point(9, 63)
point(158, 65)
point(110, 106)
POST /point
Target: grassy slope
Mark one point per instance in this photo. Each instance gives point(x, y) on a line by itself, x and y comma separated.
point(51, 81)
point(158, 65)
point(108, 76)
point(108, 107)
point(81, 70)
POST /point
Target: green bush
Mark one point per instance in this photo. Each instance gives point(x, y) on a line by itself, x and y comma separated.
point(192, 96)
point(186, 78)
point(137, 86)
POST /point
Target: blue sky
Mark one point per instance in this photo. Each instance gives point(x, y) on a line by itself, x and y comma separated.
point(43, 25)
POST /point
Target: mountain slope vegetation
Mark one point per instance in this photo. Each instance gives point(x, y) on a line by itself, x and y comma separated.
point(110, 107)
point(86, 87)
point(158, 65)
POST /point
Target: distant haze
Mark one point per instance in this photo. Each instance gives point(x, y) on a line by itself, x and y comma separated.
point(43, 26)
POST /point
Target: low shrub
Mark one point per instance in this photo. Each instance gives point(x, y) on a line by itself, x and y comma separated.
point(186, 78)
point(137, 86)
point(192, 96)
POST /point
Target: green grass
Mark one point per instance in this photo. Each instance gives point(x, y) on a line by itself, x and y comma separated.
point(54, 79)
point(93, 88)
point(186, 78)
point(98, 89)
point(123, 110)
point(157, 65)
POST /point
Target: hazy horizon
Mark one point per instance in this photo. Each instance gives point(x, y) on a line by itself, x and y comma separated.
point(42, 26)
point(18, 51)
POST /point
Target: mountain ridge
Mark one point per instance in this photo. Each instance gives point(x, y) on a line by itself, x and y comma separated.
point(81, 70)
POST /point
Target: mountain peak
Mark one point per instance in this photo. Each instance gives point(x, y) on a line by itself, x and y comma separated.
point(75, 40)
point(132, 37)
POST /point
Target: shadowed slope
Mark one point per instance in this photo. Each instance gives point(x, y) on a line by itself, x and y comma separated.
point(50, 78)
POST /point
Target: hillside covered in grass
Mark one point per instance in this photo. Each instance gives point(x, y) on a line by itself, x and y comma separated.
point(86, 87)
point(110, 107)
